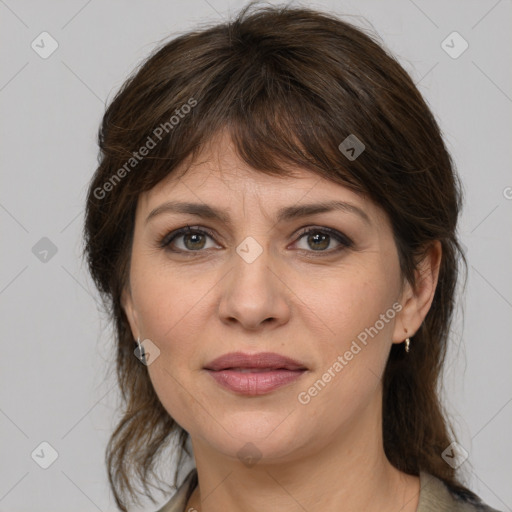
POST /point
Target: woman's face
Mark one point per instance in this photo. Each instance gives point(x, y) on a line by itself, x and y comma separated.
point(266, 275)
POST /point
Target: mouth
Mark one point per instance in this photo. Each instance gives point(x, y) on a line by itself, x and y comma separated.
point(254, 370)
point(254, 374)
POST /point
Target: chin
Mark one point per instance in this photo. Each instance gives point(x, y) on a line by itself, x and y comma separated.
point(250, 451)
point(256, 435)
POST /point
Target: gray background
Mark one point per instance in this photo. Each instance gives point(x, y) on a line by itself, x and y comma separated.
point(57, 382)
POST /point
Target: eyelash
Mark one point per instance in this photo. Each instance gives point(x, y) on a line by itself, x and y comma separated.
point(342, 239)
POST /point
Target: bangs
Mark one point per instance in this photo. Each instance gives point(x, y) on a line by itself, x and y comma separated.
point(272, 137)
point(277, 119)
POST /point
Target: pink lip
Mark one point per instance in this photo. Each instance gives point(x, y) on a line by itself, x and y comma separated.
point(254, 374)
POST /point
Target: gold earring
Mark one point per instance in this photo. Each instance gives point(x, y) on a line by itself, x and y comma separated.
point(407, 343)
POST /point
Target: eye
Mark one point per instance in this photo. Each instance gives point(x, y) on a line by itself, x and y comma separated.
point(320, 239)
point(193, 240)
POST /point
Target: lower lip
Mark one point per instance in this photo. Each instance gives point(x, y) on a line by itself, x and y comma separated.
point(257, 383)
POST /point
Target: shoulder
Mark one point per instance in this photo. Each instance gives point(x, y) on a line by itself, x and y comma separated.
point(179, 501)
point(436, 496)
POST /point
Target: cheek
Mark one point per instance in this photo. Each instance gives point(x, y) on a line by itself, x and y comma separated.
point(170, 314)
point(357, 316)
point(167, 301)
point(171, 307)
point(351, 304)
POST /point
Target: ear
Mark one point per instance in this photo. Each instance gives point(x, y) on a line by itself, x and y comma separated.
point(416, 301)
point(131, 313)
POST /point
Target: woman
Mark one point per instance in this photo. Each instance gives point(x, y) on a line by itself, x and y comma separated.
point(273, 221)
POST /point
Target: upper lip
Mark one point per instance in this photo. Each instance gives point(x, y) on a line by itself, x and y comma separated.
point(265, 360)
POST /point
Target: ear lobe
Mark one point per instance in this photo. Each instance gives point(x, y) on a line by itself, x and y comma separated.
point(131, 314)
point(416, 301)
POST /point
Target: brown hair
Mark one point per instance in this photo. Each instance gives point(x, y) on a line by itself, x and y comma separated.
point(290, 84)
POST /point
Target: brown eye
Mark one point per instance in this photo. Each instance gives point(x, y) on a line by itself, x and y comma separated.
point(319, 240)
point(197, 241)
point(187, 240)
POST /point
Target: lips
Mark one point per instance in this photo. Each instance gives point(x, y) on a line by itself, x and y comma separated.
point(254, 374)
point(260, 361)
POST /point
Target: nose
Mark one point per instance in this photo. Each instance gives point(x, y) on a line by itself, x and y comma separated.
point(254, 295)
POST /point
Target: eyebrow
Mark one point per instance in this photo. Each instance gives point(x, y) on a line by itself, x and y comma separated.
point(284, 214)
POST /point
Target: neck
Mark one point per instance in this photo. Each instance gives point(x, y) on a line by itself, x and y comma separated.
point(349, 473)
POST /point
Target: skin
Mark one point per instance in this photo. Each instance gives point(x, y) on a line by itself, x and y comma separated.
point(300, 302)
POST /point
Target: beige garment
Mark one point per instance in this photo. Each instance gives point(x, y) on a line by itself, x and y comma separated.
point(434, 497)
